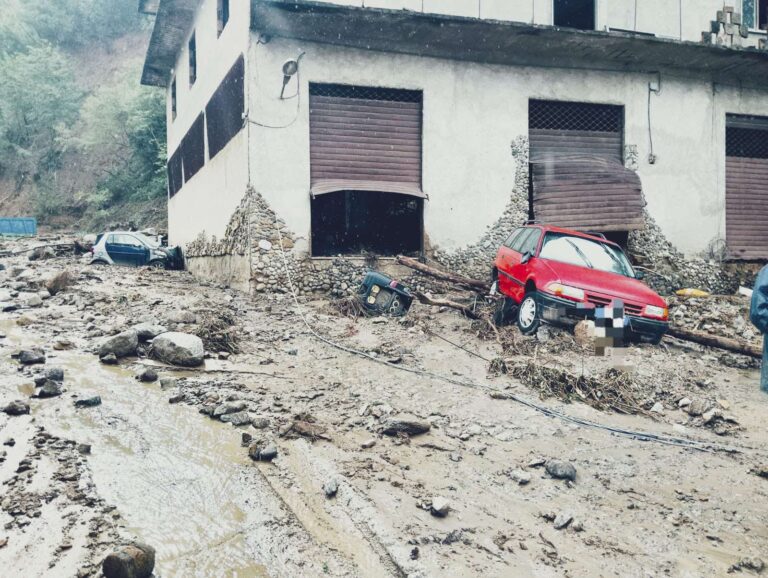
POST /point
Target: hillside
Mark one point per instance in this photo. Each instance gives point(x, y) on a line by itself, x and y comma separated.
point(82, 144)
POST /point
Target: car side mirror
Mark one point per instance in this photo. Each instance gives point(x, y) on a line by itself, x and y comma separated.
point(639, 275)
point(526, 257)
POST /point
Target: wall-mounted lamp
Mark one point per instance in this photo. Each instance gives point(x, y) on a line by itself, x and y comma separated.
point(290, 68)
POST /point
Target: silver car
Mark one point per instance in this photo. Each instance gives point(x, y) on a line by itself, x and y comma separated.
point(134, 250)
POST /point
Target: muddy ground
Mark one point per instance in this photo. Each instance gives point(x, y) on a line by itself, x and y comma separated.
point(686, 498)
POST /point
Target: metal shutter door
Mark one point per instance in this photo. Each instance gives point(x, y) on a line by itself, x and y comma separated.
point(578, 177)
point(365, 139)
point(746, 187)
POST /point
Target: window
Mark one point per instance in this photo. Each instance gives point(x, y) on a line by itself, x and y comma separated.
point(521, 240)
point(531, 242)
point(762, 14)
point(511, 239)
point(222, 15)
point(585, 253)
point(575, 14)
point(224, 112)
point(173, 99)
point(192, 60)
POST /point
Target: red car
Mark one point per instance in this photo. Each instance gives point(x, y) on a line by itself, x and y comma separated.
point(550, 273)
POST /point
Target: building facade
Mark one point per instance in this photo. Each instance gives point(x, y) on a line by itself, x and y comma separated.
point(424, 127)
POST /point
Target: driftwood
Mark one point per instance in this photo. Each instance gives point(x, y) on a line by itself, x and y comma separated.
point(428, 300)
point(443, 275)
point(734, 345)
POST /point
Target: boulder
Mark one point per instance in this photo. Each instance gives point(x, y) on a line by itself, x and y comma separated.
point(237, 418)
point(331, 487)
point(405, 424)
point(17, 407)
point(180, 349)
point(121, 345)
point(54, 374)
point(561, 470)
point(440, 507)
point(88, 401)
point(31, 356)
point(147, 376)
point(50, 389)
point(134, 561)
point(109, 359)
point(228, 408)
point(147, 331)
point(262, 450)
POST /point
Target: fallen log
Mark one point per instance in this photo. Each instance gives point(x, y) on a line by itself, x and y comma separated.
point(443, 275)
point(734, 345)
point(428, 300)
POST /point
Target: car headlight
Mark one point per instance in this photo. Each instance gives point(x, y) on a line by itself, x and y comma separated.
point(653, 311)
point(566, 291)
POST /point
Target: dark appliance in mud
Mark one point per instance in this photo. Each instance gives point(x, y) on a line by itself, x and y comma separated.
point(383, 295)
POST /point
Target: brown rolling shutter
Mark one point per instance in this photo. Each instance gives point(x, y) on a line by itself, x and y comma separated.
point(365, 139)
point(578, 177)
point(746, 187)
point(589, 193)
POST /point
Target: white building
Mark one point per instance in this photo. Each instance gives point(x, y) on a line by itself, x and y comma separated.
point(407, 122)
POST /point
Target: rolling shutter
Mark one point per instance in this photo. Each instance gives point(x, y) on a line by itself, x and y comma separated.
point(365, 139)
point(578, 177)
point(224, 112)
point(746, 187)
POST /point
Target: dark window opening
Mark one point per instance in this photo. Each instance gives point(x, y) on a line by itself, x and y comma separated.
point(175, 179)
point(746, 136)
point(575, 116)
point(762, 14)
point(357, 222)
point(222, 15)
point(224, 112)
point(193, 148)
point(575, 14)
point(173, 99)
point(192, 60)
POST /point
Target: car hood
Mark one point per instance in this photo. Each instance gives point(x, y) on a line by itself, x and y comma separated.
point(605, 283)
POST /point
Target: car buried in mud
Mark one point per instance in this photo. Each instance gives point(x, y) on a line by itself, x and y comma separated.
point(134, 249)
point(547, 273)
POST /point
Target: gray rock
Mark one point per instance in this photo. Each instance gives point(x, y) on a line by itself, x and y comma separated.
point(228, 407)
point(260, 422)
point(181, 317)
point(147, 376)
point(84, 449)
point(269, 453)
point(50, 389)
point(17, 407)
point(658, 407)
point(54, 374)
point(121, 345)
point(8, 306)
point(405, 424)
point(179, 397)
point(88, 401)
point(562, 520)
point(109, 359)
point(697, 407)
point(31, 356)
point(368, 444)
point(262, 450)
point(331, 487)
point(440, 507)
point(180, 349)
point(561, 470)
point(520, 476)
point(134, 561)
point(31, 300)
point(237, 418)
point(146, 331)
point(168, 382)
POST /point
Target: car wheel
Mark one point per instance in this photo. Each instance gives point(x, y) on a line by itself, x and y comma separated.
point(157, 264)
point(528, 317)
point(503, 312)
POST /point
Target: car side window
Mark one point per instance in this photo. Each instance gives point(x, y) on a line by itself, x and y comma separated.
point(511, 239)
point(531, 242)
point(521, 240)
point(112, 239)
point(132, 241)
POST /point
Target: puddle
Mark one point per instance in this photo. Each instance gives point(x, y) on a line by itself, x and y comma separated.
point(180, 481)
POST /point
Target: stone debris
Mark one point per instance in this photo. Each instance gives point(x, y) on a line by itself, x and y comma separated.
point(50, 389)
point(31, 356)
point(520, 476)
point(562, 520)
point(331, 487)
point(147, 331)
point(148, 375)
point(405, 424)
point(88, 401)
point(121, 345)
point(561, 470)
point(17, 407)
point(136, 560)
point(181, 349)
point(262, 450)
point(440, 507)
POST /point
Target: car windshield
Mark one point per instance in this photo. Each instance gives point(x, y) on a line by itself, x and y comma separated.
point(585, 253)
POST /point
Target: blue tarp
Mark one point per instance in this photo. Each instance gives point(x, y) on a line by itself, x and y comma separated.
point(18, 226)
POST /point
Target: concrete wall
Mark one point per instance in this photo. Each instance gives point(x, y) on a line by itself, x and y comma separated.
point(472, 112)
point(207, 201)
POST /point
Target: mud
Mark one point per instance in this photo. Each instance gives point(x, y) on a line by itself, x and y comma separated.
point(171, 476)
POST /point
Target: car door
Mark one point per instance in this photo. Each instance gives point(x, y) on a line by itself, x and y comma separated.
point(520, 271)
point(138, 251)
point(508, 264)
point(117, 250)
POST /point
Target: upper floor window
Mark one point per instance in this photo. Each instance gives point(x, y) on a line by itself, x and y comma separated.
point(755, 14)
point(762, 14)
point(575, 14)
point(192, 60)
point(173, 99)
point(222, 15)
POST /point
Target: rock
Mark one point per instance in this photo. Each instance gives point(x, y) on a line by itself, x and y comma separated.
point(50, 389)
point(520, 476)
point(179, 397)
point(88, 401)
point(440, 507)
point(181, 317)
point(31, 356)
point(697, 407)
point(368, 444)
point(17, 407)
point(62, 344)
point(685, 402)
point(31, 300)
point(54, 374)
point(405, 424)
point(238, 418)
point(658, 407)
point(246, 439)
point(330, 487)
point(260, 422)
point(711, 415)
point(84, 449)
point(168, 383)
point(109, 359)
point(584, 333)
point(180, 349)
point(228, 407)
point(562, 520)
point(262, 450)
point(265, 245)
point(146, 331)
point(7, 306)
point(121, 345)
point(147, 376)
point(561, 470)
point(134, 561)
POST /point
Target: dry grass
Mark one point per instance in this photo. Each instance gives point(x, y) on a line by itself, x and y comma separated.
point(350, 307)
point(219, 331)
